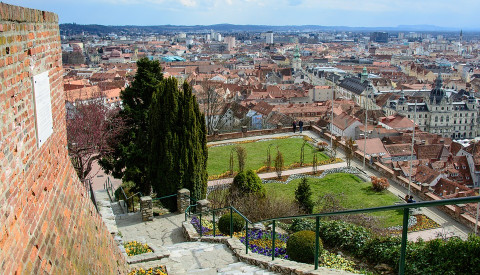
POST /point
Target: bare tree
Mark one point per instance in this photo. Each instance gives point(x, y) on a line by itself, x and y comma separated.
point(213, 104)
point(90, 127)
point(349, 150)
point(242, 158)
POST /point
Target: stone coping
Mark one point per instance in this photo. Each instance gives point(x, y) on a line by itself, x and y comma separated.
point(156, 254)
point(238, 248)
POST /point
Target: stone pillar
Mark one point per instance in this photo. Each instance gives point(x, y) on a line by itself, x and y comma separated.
point(203, 206)
point(279, 125)
point(146, 208)
point(183, 200)
point(424, 188)
point(244, 129)
point(458, 211)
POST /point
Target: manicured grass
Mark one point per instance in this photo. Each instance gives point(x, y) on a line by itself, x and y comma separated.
point(219, 157)
point(356, 194)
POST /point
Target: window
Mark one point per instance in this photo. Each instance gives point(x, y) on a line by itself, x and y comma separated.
point(436, 119)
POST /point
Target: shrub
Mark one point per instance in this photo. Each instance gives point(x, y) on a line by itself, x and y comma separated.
point(258, 208)
point(381, 249)
point(128, 188)
point(303, 196)
point(344, 235)
point(279, 162)
point(302, 224)
point(301, 246)
point(242, 157)
point(224, 223)
point(379, 184)
point(248, 183)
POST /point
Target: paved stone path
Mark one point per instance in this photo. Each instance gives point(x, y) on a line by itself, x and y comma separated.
point(184, 257)
point(284, 173)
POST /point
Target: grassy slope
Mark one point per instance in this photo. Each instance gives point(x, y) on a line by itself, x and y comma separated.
point(356, 194)
point(219, 157)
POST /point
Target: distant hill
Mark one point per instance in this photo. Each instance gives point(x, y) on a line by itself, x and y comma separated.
point(101, 29)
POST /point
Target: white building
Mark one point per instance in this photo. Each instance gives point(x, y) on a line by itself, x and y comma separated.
point(269, 37)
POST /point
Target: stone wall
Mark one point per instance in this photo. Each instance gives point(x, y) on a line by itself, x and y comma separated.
point(48, 223)
point(253, 133)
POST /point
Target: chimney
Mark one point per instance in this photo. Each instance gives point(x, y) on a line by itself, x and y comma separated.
point(444, 194)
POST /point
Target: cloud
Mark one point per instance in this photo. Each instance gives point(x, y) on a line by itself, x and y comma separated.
point(295, 2)
point(188, 3)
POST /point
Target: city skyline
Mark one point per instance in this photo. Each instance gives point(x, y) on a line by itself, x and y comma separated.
point(370, 13)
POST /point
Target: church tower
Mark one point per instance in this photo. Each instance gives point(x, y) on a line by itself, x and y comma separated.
point(296, 62)
point(364, 76)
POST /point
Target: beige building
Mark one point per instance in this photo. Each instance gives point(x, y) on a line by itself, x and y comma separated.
point(438, 114)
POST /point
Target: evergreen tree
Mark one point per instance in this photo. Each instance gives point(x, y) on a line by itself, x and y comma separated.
point(303, 196)
point(129, 160)
point(178, 151)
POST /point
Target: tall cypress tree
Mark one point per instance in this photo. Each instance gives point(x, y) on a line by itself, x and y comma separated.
point(129, 161)
point(178, 152)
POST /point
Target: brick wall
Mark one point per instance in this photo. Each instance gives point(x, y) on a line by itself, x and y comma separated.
point(48, 224)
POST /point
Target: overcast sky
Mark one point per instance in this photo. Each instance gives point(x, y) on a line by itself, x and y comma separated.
point(355, 13)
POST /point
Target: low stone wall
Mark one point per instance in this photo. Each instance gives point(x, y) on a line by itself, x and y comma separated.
point(253, 133)
point(281, 266)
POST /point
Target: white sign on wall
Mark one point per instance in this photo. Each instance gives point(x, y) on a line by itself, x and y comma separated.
point(43, 107)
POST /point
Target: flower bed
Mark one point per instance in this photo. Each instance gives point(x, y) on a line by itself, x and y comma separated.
point(206, 227)
point(416, 223)
point(159, 270)
point(135, 248)
point(260, 242)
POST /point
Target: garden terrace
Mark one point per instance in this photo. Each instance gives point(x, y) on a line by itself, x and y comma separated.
point(290, 146)
point(349, 190)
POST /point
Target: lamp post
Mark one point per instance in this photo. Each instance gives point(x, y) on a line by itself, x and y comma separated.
point(331, 116)
point(411, 154)
point(366, 125)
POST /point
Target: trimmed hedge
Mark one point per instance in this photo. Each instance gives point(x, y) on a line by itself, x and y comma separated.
point(224, 223)
point(301, 246)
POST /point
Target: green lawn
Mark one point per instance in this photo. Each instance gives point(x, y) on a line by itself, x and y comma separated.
point(219, 157)
point(356, 194)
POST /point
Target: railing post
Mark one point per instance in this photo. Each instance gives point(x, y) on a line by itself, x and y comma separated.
point(214, 235)
point(273, 241)
point(246, 237)
point(231, 222)
point(317, 243)
point(201, 227)
point(403, 250)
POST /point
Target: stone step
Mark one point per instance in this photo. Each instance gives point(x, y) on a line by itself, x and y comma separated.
point(202, 258)
point(242, 268)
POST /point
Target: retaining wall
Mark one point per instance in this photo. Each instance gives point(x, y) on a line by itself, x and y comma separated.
point(48, 224)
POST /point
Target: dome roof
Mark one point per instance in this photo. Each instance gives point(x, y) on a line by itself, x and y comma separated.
point(116, 53)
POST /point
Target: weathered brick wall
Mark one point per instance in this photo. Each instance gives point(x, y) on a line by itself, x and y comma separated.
point(48, 224)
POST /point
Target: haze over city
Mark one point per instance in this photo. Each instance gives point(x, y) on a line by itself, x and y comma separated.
point(368, 13)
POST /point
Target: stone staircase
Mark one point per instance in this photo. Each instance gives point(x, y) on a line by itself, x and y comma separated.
point(165, 234)
point(202, 258)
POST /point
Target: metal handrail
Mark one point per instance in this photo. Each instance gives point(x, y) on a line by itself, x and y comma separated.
point(405, 207)
point(131, 197)
point(164, 197)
